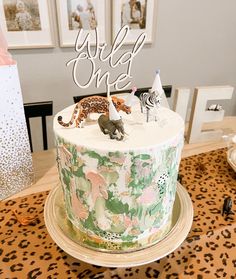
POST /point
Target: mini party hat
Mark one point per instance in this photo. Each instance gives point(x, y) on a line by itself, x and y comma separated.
point(113, 113)
point(130, 97)
point(157, 86)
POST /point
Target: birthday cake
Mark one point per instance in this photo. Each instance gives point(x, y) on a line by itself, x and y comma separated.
point(120, 194)
point(119, 173)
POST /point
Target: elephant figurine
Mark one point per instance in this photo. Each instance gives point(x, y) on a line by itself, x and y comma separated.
point(111, 127)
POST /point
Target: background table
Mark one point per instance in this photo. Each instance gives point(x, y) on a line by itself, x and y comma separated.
point(208, 252)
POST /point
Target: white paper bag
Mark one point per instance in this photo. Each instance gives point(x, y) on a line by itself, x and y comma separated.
point(16, 171)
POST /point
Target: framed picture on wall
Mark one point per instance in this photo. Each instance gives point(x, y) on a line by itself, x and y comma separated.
point(137, 14)
point(26, 23)
point(74, 15)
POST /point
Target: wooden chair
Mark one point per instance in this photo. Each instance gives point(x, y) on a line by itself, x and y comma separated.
point(38, 109)
point(167, 90)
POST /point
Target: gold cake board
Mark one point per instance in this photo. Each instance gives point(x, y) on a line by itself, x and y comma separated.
point(181, 225)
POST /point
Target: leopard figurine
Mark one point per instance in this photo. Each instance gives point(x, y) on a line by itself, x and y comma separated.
point(93, 104)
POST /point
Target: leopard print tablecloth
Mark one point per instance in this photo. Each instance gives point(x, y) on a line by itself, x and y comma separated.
point(208, 252)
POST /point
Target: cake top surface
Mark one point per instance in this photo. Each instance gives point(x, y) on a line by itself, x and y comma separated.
point(140, 134)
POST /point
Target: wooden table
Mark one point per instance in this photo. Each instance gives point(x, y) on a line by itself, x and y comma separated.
point(208, 251)
point(46, 175)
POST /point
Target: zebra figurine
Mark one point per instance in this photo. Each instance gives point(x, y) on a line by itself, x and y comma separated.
point(150, 100)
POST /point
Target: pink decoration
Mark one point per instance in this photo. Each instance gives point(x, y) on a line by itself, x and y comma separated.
point(5, 56)
point(65, 155)
point(98, 185)
point(148, 196)
point(80, 210)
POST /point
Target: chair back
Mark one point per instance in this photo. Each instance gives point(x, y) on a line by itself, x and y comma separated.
point(38, 109)
point(167, 89)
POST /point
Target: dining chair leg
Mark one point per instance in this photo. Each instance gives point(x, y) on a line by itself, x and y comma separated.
point(44, 128)
point(29, 133)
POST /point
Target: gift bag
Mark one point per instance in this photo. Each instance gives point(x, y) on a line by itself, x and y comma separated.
point(16, 171)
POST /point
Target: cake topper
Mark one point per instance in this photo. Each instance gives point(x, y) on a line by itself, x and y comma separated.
point(113, 114)
point(93, 104)
point(115, 128)
point(114, 60)
point(152, 100)
point(111, 123)
point(157, 86)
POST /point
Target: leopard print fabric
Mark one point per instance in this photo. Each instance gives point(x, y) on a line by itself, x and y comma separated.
point(93, 104)
point(208, 252)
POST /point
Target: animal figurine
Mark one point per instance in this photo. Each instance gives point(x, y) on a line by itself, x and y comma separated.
point(150, 100)
point(180, 178)
point(111, 127)
point(227, 206)
point(201, 167)
point(215, 107)
point(93, 104)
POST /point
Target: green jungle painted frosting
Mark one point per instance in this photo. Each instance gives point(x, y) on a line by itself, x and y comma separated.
point(119, 200)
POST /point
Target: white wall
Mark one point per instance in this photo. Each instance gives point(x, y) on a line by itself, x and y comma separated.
point(194, 45)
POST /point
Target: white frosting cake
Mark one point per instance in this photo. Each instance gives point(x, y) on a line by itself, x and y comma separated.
point(119, 194)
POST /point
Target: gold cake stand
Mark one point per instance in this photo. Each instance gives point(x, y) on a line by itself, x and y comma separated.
point(181, 224)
